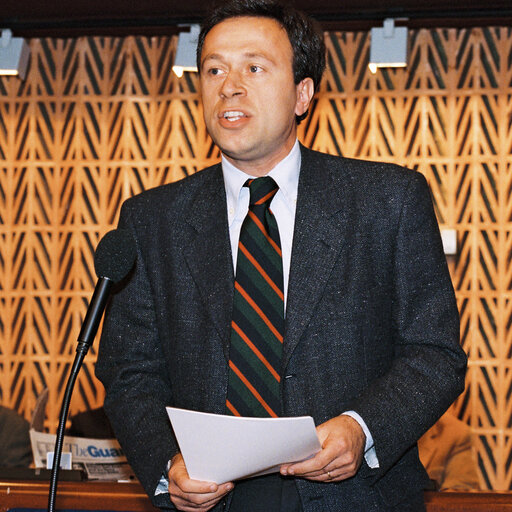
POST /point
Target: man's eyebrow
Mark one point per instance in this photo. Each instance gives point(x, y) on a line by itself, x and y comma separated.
point(257, 55)
point(246, 55)
point(212, 56)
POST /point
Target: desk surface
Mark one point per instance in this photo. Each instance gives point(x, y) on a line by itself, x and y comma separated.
point(131, 497)
point(76, 495)
point(477, 501)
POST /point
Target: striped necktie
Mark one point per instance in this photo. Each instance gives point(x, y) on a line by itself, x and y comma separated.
point(257, 325)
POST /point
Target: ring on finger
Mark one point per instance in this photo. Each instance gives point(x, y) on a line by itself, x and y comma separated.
point(329, 475)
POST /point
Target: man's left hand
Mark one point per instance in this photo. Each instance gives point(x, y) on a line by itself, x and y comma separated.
point(343, 441)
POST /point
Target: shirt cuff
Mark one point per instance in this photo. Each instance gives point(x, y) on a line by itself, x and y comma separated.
point(370, 454)
point(163, 483)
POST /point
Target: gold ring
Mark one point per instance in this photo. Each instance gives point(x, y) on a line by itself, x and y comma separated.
point(329, 475)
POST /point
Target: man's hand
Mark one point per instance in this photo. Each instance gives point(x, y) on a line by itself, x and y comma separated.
point(193, 495)
point(342, 440)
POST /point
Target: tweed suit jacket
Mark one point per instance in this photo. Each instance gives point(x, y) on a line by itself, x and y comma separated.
point(371, 320)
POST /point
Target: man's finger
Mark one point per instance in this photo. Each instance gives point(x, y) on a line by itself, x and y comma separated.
point(316, 464)
point(199, 502)
point(189, 486)
point(197, 496)
point(190, 494)
point(178, 475)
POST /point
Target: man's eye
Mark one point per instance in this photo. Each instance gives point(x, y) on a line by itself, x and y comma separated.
point(254, 69)
point(214, 71)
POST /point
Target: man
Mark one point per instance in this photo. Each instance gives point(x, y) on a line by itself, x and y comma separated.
point(15, 449)
point(369, 344)
point(447, 453)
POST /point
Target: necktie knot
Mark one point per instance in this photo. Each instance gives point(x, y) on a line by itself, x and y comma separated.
point(262, 190)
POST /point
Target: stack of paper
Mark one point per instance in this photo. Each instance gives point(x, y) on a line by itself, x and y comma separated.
point(219, 448)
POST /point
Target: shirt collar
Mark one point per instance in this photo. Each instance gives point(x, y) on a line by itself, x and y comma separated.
point(285, 174)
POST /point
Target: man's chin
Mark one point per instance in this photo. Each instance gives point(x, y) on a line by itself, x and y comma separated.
point(238, 154)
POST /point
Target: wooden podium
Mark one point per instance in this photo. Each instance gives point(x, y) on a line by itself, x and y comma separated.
point(122, 497)
point(130, 497)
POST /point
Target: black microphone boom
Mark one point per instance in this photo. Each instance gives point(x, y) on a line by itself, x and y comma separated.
point(94, 313)
point(113, 260)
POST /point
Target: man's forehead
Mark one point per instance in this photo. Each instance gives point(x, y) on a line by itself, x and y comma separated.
point(249, 19)
point(247, 35)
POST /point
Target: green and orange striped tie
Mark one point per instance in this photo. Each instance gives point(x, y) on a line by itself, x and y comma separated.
point(257, 326)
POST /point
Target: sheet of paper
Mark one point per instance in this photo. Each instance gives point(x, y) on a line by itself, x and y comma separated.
point(219, 448)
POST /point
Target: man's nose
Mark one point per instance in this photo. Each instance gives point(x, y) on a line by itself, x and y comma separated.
point(232, 85)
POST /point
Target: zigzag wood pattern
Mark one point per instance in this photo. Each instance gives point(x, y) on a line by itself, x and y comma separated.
point(99, 119)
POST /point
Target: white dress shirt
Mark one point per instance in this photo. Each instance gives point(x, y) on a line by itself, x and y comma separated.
point(286, 175)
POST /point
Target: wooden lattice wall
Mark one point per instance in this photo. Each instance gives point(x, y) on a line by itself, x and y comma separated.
point(99, 119)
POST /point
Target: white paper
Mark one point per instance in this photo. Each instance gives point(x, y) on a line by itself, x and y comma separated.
point(220, 448)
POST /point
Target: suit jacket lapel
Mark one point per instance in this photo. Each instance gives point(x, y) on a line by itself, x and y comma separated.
point(320, 227)
point(208, 253)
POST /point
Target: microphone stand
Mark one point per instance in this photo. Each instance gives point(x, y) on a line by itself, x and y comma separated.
point(85, 339)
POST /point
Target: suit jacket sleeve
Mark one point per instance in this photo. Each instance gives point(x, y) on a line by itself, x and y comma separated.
point(428, 366)
point(132, 369)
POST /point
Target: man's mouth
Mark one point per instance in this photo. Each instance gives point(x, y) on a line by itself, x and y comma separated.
point(233, 115)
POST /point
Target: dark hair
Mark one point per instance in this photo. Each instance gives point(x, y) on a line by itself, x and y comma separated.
point(306, 38)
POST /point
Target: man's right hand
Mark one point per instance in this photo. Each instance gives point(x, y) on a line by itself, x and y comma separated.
point(193, 495)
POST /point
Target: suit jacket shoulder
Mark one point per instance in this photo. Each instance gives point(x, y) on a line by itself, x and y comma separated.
point(178, 194)
point(368, 180)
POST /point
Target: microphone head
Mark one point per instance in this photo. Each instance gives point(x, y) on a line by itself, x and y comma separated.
point(115, 255)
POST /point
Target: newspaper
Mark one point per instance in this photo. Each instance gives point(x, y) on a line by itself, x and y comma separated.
point(101, 459)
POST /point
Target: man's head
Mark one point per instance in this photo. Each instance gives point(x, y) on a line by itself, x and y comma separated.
point(254, 82)
point(305, 35)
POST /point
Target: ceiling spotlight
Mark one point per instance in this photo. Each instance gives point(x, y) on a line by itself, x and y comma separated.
point(14, 53)
point(185, 59)
point(388, 47)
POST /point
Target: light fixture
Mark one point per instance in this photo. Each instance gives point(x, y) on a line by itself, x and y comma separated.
point(388, 47)
point(14, 53)
point(449, 239)
point(185, 59)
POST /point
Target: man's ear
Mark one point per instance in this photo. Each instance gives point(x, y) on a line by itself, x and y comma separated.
point(305, 90)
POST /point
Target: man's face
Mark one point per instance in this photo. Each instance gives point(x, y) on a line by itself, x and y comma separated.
point(248, 91)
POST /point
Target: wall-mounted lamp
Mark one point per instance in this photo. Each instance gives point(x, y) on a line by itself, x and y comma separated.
point(14, 54)
point(185, 59)
point(449, 238)
point(388, 47)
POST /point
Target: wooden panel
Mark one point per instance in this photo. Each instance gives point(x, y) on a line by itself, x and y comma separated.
point(100, 119)
point(123, 497)
point(468, 502)
point(131, 498)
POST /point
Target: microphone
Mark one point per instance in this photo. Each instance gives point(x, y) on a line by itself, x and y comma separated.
point(113, 260)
